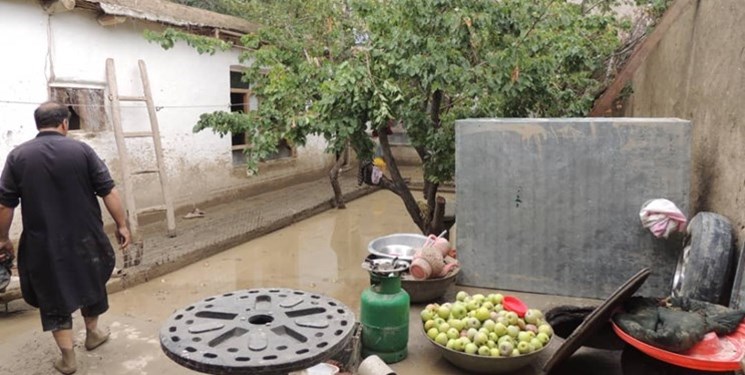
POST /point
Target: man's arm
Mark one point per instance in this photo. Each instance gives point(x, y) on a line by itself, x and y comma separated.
point(114, 205)
point(6, 246)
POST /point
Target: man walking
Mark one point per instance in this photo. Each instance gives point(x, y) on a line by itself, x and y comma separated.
point(64, 256)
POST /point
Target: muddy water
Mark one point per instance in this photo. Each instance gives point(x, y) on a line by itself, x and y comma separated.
point(322, 254)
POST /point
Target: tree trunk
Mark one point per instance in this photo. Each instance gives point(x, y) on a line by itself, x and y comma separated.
point(334, 176)
point(398, 185)
point(436, 227)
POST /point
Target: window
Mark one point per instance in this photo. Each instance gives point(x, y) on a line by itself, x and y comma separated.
point(86, 105)
point(242, 100)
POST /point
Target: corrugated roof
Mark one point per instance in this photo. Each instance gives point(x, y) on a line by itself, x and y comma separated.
point(173, 14)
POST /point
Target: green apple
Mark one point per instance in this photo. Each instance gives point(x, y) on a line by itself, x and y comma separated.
point(432, 333)
point(479, 297)
point(491, 344)
point(494, 352)
point(442, 338)
point(493, 336)
point(427, 315)
point(429, 324)
point(500, 329)
point(472, 305)
point(480, 338)
point(513, 331)
point(512, 318)
point(543, 338)
point(443, 312)
point(484, 351)
point(488, 305)
point(459, 345)
point(471, 333)
point(443, 327)
point(473, 323)
point(515, 353)
point(453, 333)
point(471, 348)
point(531, 316)
point(536, 343)
point(545, 328)
point(523, 336)
point(482, 314)
point(461, 295)
point(524, 347)
point(506, 338)
point(496, 299)
point(459, 310)
point(450, 344)
point(458, 324)
point(498, 307)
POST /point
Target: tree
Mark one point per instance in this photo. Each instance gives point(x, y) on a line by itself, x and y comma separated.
point(340, 69)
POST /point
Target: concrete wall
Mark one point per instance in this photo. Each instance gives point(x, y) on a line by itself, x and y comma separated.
point(552, 205)
point(72, 47)
point(697, 72)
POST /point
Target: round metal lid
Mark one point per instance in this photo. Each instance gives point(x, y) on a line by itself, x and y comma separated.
point(596, 319)
point(257, 331)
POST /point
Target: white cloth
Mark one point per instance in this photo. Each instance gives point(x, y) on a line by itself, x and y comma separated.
point(662, 217)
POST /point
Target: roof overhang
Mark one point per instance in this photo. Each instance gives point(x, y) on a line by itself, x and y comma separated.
point(169, 13)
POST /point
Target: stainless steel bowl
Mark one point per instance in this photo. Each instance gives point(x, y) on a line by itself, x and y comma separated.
point(399, 245)
point(486, 365)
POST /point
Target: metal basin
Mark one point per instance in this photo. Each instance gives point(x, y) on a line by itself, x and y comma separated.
point(399, 245)
point(486, 365)
point(421, 291)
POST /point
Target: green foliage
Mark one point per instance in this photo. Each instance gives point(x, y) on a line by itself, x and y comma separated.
point(338, 68)
point(656, 8)
point(202, 44)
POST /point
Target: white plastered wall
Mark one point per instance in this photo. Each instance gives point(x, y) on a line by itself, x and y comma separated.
point(72, 47)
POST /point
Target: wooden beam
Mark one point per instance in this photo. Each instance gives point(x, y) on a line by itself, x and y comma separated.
point(57, 6)
point(604, 105)
point(109, 20)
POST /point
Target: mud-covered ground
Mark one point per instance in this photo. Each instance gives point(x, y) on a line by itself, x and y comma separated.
point(322, 254)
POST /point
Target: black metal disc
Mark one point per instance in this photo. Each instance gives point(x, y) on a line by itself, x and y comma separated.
point(257, 331)
point(596, 319)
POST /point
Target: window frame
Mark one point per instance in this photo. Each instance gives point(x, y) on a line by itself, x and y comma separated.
point(247, 96)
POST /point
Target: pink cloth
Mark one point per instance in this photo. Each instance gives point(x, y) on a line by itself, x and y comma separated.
point(662, 217)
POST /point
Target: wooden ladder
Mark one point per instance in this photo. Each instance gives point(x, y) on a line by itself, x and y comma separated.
point(127, 181)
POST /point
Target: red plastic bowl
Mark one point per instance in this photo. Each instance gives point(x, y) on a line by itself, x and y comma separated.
point(512, 303)
point(713, 353)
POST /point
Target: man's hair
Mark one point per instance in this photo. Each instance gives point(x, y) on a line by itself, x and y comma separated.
point(50, 114)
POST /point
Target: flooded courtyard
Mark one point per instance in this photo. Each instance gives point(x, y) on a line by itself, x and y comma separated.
point(322, 255)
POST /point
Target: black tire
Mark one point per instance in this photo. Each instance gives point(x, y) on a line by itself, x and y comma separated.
point(705, 265)
point(737, 300)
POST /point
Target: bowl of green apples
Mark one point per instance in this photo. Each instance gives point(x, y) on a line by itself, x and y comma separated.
point(476, 333)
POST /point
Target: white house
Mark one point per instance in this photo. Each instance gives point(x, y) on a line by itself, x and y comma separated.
point(58, 49)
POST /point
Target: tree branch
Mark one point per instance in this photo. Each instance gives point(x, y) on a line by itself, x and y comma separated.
point(399, 184)
point(334, 176)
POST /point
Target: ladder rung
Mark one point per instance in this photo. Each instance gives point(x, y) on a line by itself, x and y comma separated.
point(146, 171)
point(137, 134)
point(132, 98)
point(152, 209)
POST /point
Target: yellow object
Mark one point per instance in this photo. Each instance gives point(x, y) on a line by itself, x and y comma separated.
point(380, 163)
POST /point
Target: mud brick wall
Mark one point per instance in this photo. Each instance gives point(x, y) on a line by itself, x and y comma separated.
point(552, 206)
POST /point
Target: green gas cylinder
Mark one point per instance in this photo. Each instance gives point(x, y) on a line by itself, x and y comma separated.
point(384, 317)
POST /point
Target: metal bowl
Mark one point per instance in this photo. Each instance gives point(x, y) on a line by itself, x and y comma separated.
point(486, 365)
point(399, 245)
point(421, 291)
